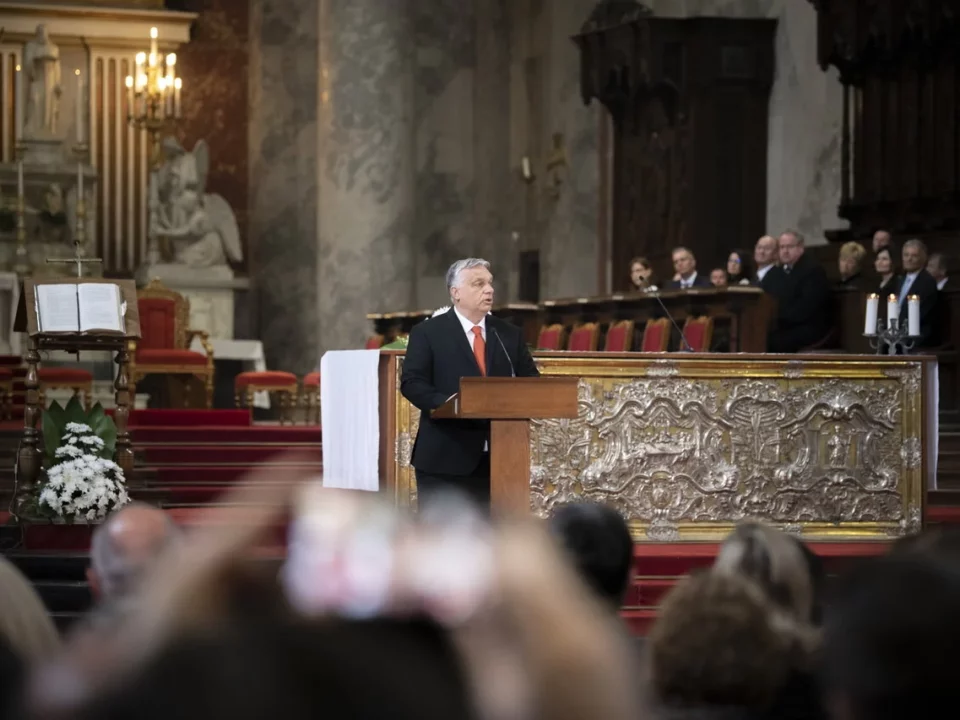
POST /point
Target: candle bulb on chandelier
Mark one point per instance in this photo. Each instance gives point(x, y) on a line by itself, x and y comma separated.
point(177, 84)
point(153, 47)
point(19, 100)
point(79, 106)
point(873, 308)
point(129, 84)
point(171, 69)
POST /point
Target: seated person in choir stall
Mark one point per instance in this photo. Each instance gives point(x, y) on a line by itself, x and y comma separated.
point(641, 274)
point(917, 281)
point(850, 264)
point(937, 267)
point(718, 277)
point(803, 298)
point(465, 341)
point(885, 263)
point(739, 268)
point(768, 273)
point(882, 239)
point(685, 265)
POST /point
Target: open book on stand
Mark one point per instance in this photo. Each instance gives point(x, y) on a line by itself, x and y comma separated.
point(79, 308)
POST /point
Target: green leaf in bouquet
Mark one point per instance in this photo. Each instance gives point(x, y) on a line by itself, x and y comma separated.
point(53, 425)
point(75, 411)
point(104, 428)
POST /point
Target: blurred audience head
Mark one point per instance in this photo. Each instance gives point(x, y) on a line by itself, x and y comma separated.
point(641, 272)
point(125, 547)
point(850, 261)
point(25, 625)
point(791, 247)
point(775, 561)
point(937, 266)
point(718, 642)
point(718, 277)
point(765, 252)
point(885, 261)
point(684, 262)
point(739, 265)
point(597, 540)
point(881, 239)
point(913, 255)
point(890, 632)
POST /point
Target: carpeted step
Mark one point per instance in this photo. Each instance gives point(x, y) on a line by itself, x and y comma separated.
point(190, 418)
point(226, 436)
point(61, 596)
point(168, 455)
point(215, 474)
point(649, 591)
point(639, 620)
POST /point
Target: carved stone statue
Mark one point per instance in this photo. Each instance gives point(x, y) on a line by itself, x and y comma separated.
point(41, 68)
point(200, 226)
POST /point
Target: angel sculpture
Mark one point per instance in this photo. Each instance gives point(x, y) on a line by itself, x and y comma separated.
point(200, 226)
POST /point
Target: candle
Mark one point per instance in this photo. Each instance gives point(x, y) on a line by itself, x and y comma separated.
point(79, 105)
point(177, 84)
point(526, 168)
point(20, 102)
point(893, 311)
point(873, 306)
point(153, 47)
point(129, 83)
point(913, 316)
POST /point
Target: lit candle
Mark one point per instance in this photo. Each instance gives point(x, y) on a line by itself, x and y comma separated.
point(177, 84)
point(893, 310)
point(913, 316)
point(873, 307)
point(153, 47)
point(20, 102)
point(526, 168)
point(79, 105)
point(129, 83)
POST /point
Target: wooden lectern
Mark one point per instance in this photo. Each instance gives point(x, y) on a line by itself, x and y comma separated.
point(509, 404)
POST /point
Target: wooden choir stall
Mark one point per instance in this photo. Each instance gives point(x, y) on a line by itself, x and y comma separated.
point(30, 321)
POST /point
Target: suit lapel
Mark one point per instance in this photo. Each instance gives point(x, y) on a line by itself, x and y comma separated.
point(490, 354)
point(460, 340)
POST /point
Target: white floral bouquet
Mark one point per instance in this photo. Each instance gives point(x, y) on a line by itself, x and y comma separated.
point(81, 485)
point(82, 482)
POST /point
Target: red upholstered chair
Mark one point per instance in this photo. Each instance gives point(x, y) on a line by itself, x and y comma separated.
point(165, 337)
point(6, 392)
point(619, 337)
point(584, 338)
point(311, 397)
point(656, 336)
point(76, 379)
point(699, 332)
point(374, 342)
point(550, 337)
point(284, 384)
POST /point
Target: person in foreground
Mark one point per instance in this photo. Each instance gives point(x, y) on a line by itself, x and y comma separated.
point(465, 341)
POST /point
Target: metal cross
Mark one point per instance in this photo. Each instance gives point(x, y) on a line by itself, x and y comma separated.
point(77, 258)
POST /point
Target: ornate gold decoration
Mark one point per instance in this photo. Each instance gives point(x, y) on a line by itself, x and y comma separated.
point(687, 448)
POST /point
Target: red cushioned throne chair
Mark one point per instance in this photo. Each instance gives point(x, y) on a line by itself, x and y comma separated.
point(165, 338)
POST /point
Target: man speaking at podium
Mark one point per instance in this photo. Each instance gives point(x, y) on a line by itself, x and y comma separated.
point(465, 341)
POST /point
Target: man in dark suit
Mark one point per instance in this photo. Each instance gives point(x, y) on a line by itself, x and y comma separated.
point(765, 255)
point(465, 341)
point(917, 281)
point(685, 265)
point(803, 298)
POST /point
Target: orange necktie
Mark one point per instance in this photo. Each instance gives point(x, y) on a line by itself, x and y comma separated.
point(480, 349)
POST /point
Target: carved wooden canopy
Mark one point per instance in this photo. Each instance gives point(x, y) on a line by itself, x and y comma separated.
point(857, 35)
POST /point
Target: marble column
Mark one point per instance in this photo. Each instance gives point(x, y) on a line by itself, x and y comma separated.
point(569, 244)
point(283, 179)
point(365, 142)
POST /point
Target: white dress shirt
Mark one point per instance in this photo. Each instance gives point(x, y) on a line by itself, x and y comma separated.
point(941, 283)
point(688, 282)
point(469, 325)
point(761, 272)
point(907, 284)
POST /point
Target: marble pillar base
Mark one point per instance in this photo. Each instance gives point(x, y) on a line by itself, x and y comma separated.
point(209, 290)
point(43, 151)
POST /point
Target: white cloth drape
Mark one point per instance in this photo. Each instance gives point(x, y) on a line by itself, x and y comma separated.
point(349, 402)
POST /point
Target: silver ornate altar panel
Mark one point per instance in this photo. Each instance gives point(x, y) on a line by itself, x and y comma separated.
point(688, 446)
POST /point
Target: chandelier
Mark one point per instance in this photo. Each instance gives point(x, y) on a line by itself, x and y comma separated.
point(153, 91)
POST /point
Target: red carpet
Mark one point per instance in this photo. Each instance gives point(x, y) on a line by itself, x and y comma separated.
point(296, 435)
point(190, 418)
point(213, 455)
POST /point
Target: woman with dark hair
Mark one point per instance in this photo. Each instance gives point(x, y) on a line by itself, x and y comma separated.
point(885, 263)
point(739, 268)
point(641, 273)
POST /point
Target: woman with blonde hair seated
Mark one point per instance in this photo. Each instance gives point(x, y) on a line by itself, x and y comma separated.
point(850, 263)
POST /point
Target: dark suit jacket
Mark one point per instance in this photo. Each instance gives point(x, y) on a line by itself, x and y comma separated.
point(438, 355)
point(698, 281)
point(773, 277)
point(803, 306)
point(925, 287)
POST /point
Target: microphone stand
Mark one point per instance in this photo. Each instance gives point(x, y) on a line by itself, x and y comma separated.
point(684, 345)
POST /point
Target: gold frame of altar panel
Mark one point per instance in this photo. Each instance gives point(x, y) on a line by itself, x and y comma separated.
point(686, 446)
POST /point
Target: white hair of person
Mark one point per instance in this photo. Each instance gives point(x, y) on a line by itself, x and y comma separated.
point(797, 235)
point(456, 270)
point(918, 244)
point(116, 572)
point(25, 624)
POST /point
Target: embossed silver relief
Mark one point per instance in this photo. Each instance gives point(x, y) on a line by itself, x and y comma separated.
point(670, 451)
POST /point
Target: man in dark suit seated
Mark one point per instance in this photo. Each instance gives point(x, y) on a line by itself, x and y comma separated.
point(465, 341)
point(917, 281)
point(765, 257)
point(685, 265)
point(803, 298)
